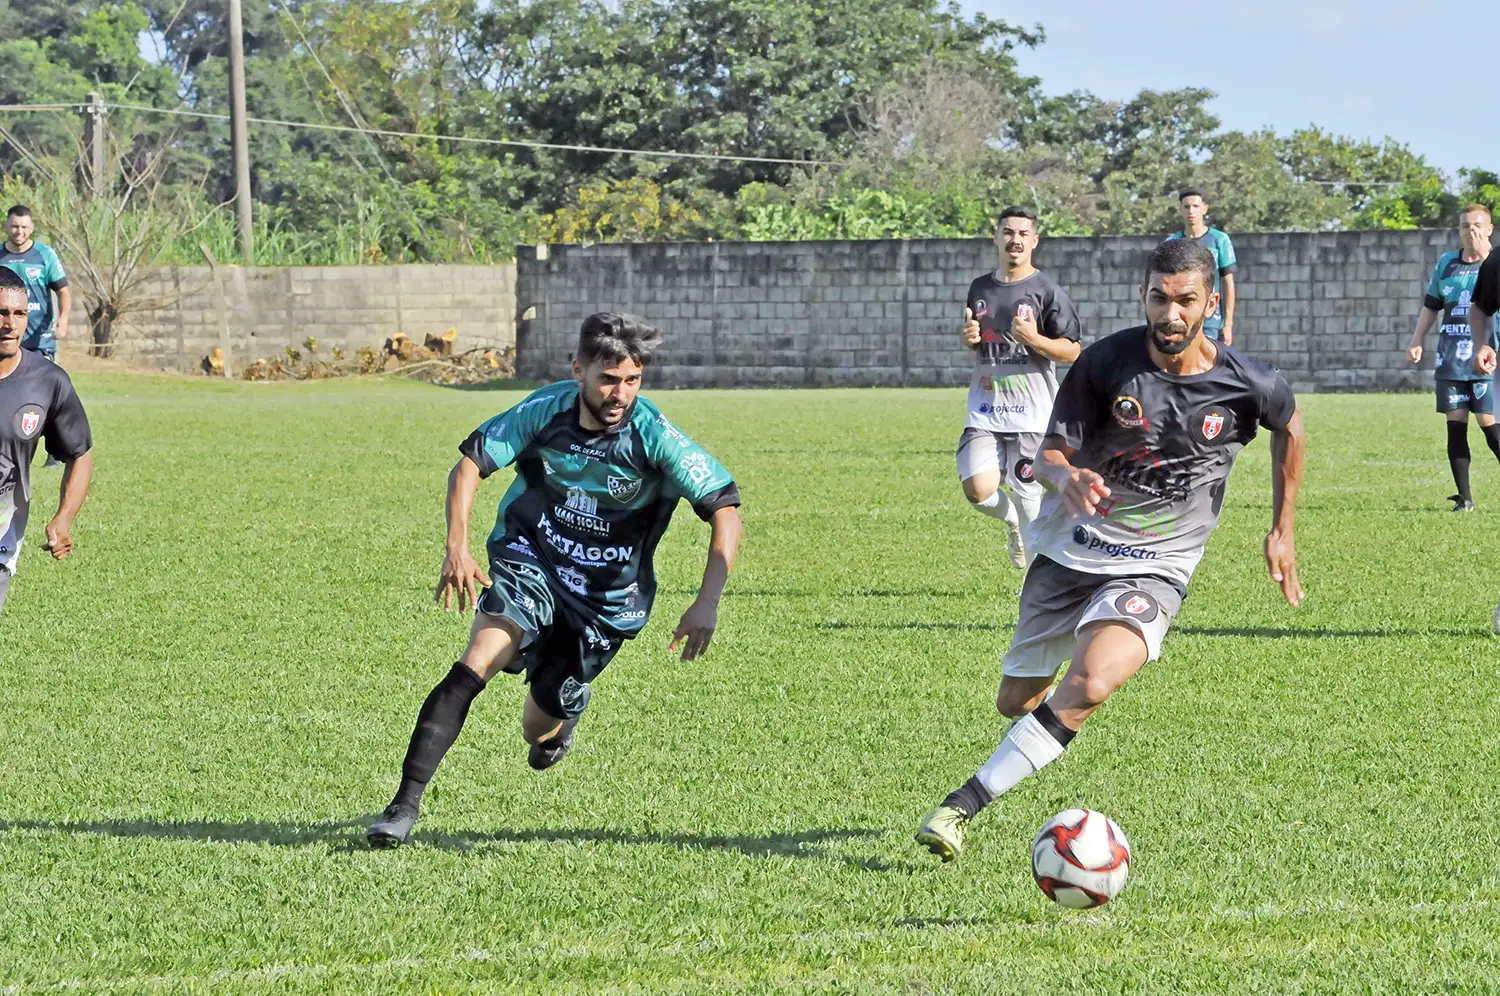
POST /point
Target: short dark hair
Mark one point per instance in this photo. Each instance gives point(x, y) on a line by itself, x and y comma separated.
point(18, 211)
point(1187, 192)
point(1015, 211)
point(616, 338)
point(11, 280)
point(1183, 256)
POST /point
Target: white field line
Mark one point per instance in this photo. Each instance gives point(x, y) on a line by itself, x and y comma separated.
point(302, 972)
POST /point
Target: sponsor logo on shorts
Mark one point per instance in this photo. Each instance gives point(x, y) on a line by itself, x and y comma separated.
point(1128, 413)
point(528, 571)
point(623, 489)
point(1094, 543)
point(28, 421)
point(1025, 471)
point(1457, 397)
point(525, 601)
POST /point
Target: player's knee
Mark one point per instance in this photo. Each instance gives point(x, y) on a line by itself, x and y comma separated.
point(1086, 691)
point(1013, 703)
point(977, 490)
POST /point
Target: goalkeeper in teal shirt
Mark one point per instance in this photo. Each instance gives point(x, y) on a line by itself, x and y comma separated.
point(599, 472)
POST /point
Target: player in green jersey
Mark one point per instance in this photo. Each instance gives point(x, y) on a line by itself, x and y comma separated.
point(599, 472)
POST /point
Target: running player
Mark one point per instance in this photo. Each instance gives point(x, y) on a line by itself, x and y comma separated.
point(1020, 324)
point(37, 402)
point(1461, 387)
point(1143, 437)
point(599, 472)
point(1220, 324)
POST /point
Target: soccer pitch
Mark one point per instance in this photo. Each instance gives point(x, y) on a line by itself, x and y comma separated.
point(206, 704)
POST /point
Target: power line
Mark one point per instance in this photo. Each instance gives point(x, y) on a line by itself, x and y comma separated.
point(515, 143)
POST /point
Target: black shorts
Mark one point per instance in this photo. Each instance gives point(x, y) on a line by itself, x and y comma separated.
point(1478, 396)
point(561, 654)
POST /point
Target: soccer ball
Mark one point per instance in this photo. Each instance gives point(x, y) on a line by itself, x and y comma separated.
point(1080, 859)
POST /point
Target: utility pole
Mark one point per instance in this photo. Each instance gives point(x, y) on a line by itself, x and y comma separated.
point(238, 131)
point(94, 135)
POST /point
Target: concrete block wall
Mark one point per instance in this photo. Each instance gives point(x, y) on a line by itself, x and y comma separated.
point(270, 308)
point(1333, 310)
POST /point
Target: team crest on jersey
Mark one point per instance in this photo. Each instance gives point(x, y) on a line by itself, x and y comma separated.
point(1463, 349)
point(623, 488)
point(981, 309)
point(1212, 422)
point(1128, 413)
point(28, 421)
point(1137, 605)
point(33, 273)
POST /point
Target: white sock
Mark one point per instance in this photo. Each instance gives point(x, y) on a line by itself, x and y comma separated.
point(998, 506)
point(1027, 508)
point(1027, 748)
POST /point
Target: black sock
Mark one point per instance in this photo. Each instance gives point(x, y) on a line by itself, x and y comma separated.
point(969, 798)
point(438, 723)
point(1492, 436)
point(1053, 725)
point(1458, 457)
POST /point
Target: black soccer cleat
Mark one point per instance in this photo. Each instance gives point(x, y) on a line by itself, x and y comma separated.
point(1461, 504)
point(393, 828)
point(547, 753)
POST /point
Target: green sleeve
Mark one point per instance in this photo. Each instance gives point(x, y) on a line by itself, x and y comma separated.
point(1227, 262)
point(692, 472)
point(54, 274)
point(500, 440)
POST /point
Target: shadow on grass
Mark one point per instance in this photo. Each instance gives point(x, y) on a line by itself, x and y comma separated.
point(348, 836)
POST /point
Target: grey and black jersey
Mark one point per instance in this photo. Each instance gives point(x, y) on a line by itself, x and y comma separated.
point(1013, 386)
point(1164, 444)
point(37, 403)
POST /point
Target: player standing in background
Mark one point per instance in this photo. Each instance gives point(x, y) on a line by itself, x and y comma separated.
point(1461, 386)
point(1143, 438)
point(42, 271)
point(1220, 324)
point(1020, 324)
point(37, 402)
point(599, 472)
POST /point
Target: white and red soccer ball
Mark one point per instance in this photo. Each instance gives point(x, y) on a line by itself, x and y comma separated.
point(1080, 859)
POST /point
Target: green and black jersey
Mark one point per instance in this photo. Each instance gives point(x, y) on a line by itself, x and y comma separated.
point(592, 506)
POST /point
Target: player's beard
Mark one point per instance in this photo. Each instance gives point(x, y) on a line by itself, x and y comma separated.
point(1173, 347)
point(599, 415)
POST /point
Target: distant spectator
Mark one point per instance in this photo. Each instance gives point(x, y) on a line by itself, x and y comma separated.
point(39, 267)
point(1219, 325)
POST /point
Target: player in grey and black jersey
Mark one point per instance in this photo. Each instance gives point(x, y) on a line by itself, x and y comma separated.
point(1020, 324)
point(1143, 437)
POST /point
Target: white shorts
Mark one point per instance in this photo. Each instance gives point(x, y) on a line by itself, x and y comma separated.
point(981, 451)
point(1057, 602)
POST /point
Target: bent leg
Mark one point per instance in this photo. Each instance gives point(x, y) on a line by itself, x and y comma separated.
point(1108, 655)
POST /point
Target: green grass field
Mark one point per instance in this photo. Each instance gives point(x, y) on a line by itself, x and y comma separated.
point(205, 705)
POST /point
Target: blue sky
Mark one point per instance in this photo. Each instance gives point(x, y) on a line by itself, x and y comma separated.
point(1422, 72)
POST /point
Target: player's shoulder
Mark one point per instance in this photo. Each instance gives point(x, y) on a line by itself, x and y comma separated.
point(46, 253)
point(1246, 367)
point(1220, 236)
point(1172, 237)
point(651, 422)
point(981, 282)
point(551, 399)
point(1446, 260)
point(37, 367)
point(1116, 346)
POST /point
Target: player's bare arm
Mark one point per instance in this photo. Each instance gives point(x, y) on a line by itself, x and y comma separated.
point(969, 333)
point(1226, 295)
point(1025, 330)
point(1288, 447)
point(64, 306)
point(77, 474)
point(1082, 490)
point(461, 573)
point(1424, 326)
point(1479, 329)
point(695, 630)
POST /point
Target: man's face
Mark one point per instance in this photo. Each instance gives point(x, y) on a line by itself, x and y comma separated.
point(1193, 211)
point(13, 315)
point(1474, 230)
point(1017, 239)
point(1176, 306)
point(18, 228)
point(608, 389)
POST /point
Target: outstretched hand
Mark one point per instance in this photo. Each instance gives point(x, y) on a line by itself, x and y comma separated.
point(1281, 561)
point(695, 630)
point(460, 575)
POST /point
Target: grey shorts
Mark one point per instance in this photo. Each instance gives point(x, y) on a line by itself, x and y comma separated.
point(1057, 602)
point(1012, 453)
point(4, 586)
